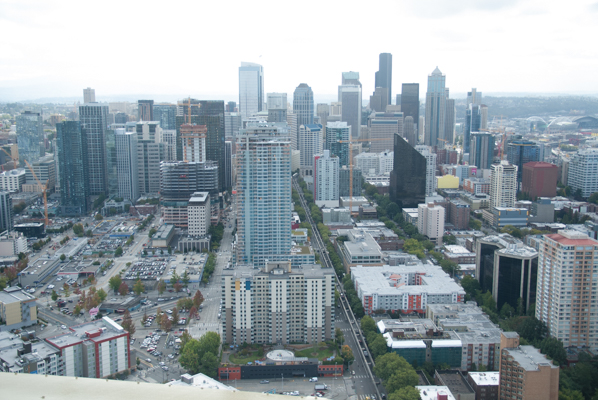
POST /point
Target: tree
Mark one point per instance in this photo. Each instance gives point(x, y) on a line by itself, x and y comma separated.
point(128, 324)
point(506, 311)
point(123, 289)
point(144, 318)
point(568, 394)
point(185, 279)
point(138, 288)
point(175, 315)
point(67, 291)
point(378, 346)
point(115, 282)
point(193, 312)
point(102, 295)
point(475, 224)
point(77, 310)
point(402, 378)
point(405, 393)
point(532, 329)
point(554, 349)
point(177, 287)
point(209, 364)
point(54, 295)
point(99, 217)
point(161, 286)
point(388, 363)
point(198, 299)
point(165, 322)
point(470, 285)
point(347, 354)
point(338, 335)
point(118, 252)
point(62, 257)
point(368, 325)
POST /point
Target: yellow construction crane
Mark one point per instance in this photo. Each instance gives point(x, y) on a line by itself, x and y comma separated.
point(44, 188)
point(15, 160)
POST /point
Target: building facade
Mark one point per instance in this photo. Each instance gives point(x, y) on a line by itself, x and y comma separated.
point(94, 123)
point(408, 178)
point(199, 214)
point(126, 165)
point(503, 185)
point(539, 179)
point(430, 221)
point(337, 141)
point(303, 105)
point(325, 177)
point(435, 108)
point(383, 127)
point(72, 148)
point(384, 75)
point(251, 89)
point(30, 136)
point(583, 172)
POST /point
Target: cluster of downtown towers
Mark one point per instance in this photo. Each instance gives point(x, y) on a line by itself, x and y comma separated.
point(95, 158)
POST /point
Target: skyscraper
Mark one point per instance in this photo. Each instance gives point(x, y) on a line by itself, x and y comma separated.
point(474, 97)
point(325, 177)
point(520, 152)
point(94, 122)
point(303, 105)
point(277, 107)
point(126, 164)
point(6, 212)
point(410, 102)
point(251, 89)
point(194, 142)
point(72, 149)
point(89, 95)
point(310, 139)
point(384, 74)
point(430, 221)
point(481, 150)
point(350, 98)
point(435, 108)
point(583, 171)
point(539, 179)
point(150, 151)
point(566, 294)
point(323, 111)
point(30, 136)
point(503, 185)
point(166, 114)
point(263, 194)
point(473, 123)
point(379, 100)
point(337, 141)
point(145, 110)
point(409, 132)
point(383, 127)
point(228, 166)
point(449, 121)
point(430, 168)
point(408, 177)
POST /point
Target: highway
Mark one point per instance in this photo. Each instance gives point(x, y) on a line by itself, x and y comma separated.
point(364, 381)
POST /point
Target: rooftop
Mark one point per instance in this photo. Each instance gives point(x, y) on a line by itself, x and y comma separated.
point(201, 381)
point(14, 294)
point(485, 378)
point(571, 237)
point(529, 358)
point(199, 197)
point(95, 331)
point(434, 392)
point(163, 232)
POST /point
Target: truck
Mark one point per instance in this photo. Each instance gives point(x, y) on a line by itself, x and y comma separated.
point(320, 387)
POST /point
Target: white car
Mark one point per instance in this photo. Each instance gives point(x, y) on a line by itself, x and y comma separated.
point(314, 379)
point(62, 326)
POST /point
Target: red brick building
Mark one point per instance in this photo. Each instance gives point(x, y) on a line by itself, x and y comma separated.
point(539, 179)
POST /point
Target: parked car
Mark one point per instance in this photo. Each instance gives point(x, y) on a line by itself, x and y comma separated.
point(264, 381)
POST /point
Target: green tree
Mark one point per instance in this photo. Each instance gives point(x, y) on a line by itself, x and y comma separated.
point(388, 363)
point(368, 325)
point(405, 393)
point(470, 285)
point(532, 329)
point(161, 286)
point(102, 295)
point(339, 336)
point(54, 295)
point(209, 364)
point(185, 279)
point(475, 224)
point(347, 354)
point(174, 278)
point(507, 311)
point(378, 346)
point(62, 257)
point(99, 217)
point(115, 282)
point(568, 394)
point(123, 289)
point(138, 288)
point(402, 378)
point(554, 349)
point(67, 290)
point(118, 252)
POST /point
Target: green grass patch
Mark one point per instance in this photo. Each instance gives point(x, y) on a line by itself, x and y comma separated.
point(319, 352)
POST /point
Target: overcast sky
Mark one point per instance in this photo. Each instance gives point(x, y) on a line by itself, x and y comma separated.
point(163, 48)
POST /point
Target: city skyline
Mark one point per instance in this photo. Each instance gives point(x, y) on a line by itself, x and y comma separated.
point(520, 38)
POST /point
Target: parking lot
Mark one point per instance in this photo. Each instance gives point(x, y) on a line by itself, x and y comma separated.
point(146, 270)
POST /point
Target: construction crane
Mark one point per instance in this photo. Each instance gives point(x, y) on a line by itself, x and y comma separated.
point(15, 160)
point(44, 188)
point(351, 141)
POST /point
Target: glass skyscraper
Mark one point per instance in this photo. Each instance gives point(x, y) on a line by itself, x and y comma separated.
point(473, 121)
point(384, 74)
point(72, 151)
point(251, 89)
point(435, 108)
point(410, 101)
point(30, 137)
point(337, 141)
point(408, 177)
point(303, 104)
point(263, 193)
point(520, 152)
point(166, 114)
point(94, 122)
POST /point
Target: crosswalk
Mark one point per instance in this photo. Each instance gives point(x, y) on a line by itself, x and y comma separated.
point(364, 396)
point(361, 376)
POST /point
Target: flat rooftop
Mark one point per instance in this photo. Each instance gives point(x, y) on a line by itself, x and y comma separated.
point(163, 232)
point(529, 358)
point(491, 378)
point(14, 294)
point(455, 381)
point(106, 327)
point(433, 392)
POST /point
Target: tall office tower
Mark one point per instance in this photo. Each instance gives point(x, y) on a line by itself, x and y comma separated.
point(231, 106)
point(145, 110)
point(583, 172)
point(398, 100)
point(430, 221)
point(344, 181)
point(263, 194)
point(211, 114)
point(384, 74)
point(194, 142)
point(150, 151)
point(303, 105)
point(228, 166)
point(325, 177)
point(45, 170)
point(481, 150)
point(474, 97)
point(94, 122)
point(168, 139)
point(251, 89)
point(278, 304)
point(409, 132)
point(410, 102)
point(89, 95)
point(520, 152)
point(126, 164)
point(566, 297)
point(350, 98)
point(539, 179)
point(178, 181)
point(383, 127)
point(483, 117)
point(430, 168)
point(72, 149)
point(435, 108)
point(310, 144)
point(199, 214)
point(111, 170)
point(293, 130)
point(336, 108)
point(408, 177)
point(351, 78)
point(323, 111)
point(166, 114)
point(277, 107)
point(378, 100)
point(473, 122)
point(503, 185)
point(449, 121)
point(421, 129)
point(6, 212)
point(30, 137)
point(337, 141)
point(525, 373)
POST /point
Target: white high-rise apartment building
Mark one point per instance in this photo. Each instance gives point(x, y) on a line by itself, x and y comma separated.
point(583, 172)
point(263, 193)
point(310, 144)
point(325, 177)
point(126, 164)
point(368, 163)
point(199, 214)
point(278, 304)
point(387, 159)
point(430, 168)
point(194, 142)
point(567, 288)
point(251, 89)
point(430, 221)
point(503, 185)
